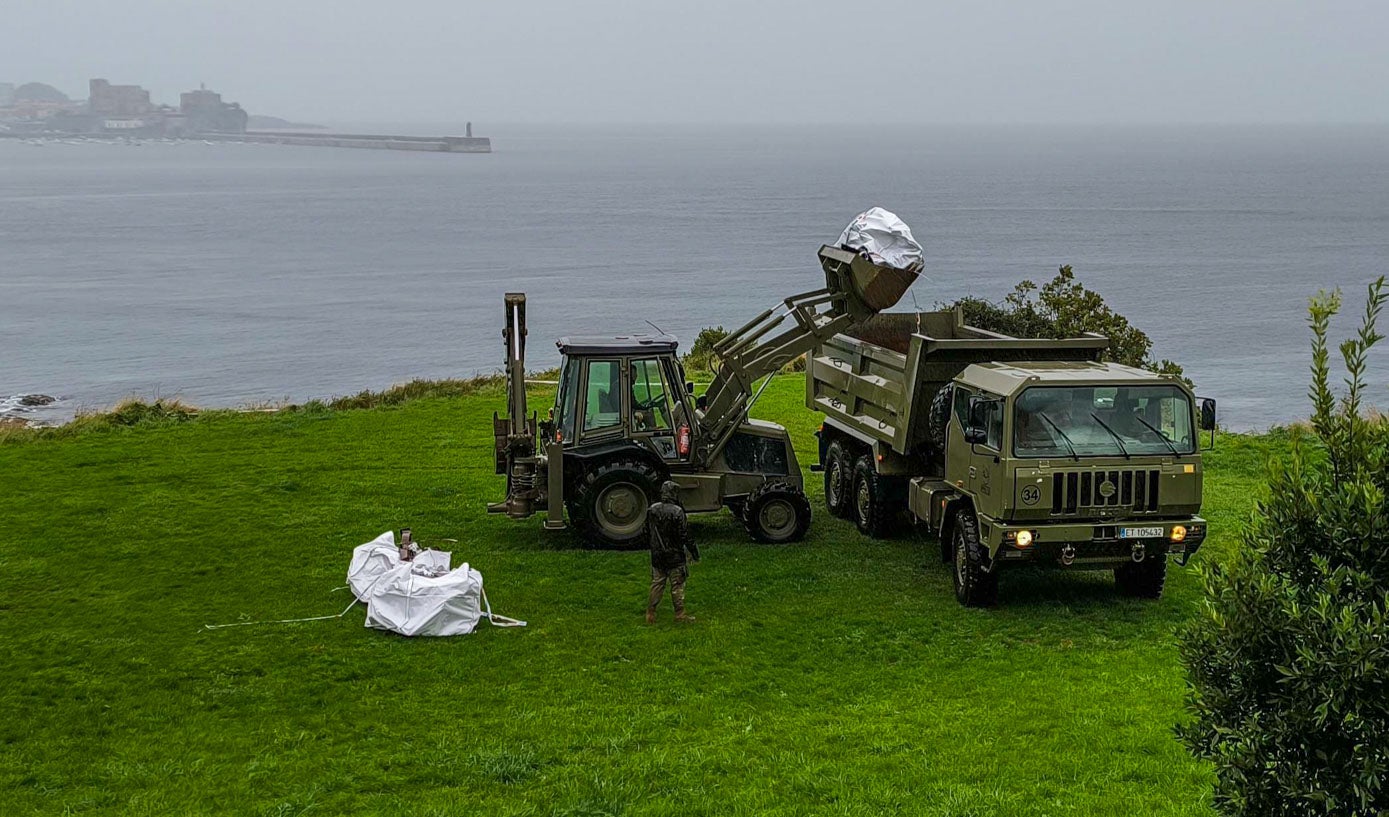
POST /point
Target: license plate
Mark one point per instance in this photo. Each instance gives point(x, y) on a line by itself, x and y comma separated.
point(1140, 533)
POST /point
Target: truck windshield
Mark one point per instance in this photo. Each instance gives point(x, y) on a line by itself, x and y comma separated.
point(1055, 421)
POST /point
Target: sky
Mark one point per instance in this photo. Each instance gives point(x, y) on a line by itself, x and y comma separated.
point(726, 61)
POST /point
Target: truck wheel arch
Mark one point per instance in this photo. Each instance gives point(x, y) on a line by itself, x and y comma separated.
point(947, 526)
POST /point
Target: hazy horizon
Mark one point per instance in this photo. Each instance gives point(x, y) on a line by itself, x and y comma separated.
point(610, 62)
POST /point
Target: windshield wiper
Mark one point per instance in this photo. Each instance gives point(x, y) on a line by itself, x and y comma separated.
point(1064, 438)
point(1117, 440)
point(1160, 435)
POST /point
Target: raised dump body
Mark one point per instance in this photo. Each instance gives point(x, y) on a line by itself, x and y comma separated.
point(877, 380)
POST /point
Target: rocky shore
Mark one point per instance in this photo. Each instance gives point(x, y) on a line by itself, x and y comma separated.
point(16, 410)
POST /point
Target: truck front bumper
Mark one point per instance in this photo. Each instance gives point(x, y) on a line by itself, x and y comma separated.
point(1096, 546)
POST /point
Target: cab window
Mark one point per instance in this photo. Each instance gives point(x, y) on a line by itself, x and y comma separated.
point(650, 397)
point(564, 401)
point(961, 407)
point(993, 422)
point(603, 397)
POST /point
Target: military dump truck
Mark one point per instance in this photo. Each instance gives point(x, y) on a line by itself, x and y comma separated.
point(625, 419)
point(1013, 451)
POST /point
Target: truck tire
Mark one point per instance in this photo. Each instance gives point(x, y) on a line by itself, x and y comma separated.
point(1142, 580)
point(873, 510)
point(777, 513)
point(610, 502)
point(974, 587)
point(839, 481)
point(937, 418)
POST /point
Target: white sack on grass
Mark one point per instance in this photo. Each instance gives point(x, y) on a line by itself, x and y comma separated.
point(885, 237)
point(408, 601)
point(370, 562)
point(419, 597)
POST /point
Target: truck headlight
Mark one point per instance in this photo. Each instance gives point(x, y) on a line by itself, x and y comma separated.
point(1178, 533)
point(1024, 538)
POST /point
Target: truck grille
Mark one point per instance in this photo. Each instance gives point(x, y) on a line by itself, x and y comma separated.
point(1080, 490)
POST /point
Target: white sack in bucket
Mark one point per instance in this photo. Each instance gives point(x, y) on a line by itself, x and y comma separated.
point(884, 237)
point(420, 597)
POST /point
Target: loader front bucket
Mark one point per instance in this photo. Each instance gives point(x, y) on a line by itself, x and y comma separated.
point(865, 288)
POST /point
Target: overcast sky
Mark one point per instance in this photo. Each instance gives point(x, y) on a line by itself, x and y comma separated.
point(725, 60)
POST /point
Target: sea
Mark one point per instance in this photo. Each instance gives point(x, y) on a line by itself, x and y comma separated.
point(244, 275)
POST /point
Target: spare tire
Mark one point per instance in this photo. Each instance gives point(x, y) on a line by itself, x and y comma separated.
point(938, 418)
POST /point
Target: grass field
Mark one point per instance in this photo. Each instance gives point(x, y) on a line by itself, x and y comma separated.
point(837, 676)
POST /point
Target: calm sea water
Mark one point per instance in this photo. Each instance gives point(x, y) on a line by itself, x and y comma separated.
point(231, 274)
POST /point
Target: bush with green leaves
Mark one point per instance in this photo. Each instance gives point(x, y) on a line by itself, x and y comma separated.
point(701, 355)
point(1288, 662)
point(1063, 308)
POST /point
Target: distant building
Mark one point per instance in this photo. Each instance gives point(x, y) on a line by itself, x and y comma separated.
point(204, 111)
point(106, 99)
point(117, 110)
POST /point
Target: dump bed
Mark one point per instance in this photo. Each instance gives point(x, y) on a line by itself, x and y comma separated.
point(877, 379)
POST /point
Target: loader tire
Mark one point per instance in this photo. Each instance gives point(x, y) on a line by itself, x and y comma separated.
point(777, 513)
point(974, 586)
point(839, 481)
point(610, 502)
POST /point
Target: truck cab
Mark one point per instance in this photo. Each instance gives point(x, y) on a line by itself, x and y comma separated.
point(1081, 465)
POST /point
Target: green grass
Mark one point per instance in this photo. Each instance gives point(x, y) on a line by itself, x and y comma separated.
point(837, 676)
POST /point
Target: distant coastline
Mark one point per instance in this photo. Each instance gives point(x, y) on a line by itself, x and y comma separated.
point(262, 122)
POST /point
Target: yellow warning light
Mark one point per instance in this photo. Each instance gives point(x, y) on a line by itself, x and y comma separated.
point(1178, 533)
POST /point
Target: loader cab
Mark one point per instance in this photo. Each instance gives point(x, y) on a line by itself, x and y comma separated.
point(622, 388)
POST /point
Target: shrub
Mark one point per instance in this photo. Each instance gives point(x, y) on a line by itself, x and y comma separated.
point(1288, 663)
point(1062, 307)
point(416, 390)
point(139, 413)
point(701, 355)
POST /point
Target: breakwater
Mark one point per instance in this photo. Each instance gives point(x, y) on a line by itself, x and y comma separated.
point(434, 144)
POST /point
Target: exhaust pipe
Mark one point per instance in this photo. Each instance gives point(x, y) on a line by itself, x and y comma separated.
point(1068, 555)
point(1140, 552)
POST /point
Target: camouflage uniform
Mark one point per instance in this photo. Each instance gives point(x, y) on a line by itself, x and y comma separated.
point(668, 533)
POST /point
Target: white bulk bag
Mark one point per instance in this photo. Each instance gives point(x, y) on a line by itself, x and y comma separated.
point(885, 237)
point(370, 562)
point(419, 597)
point(410, 601)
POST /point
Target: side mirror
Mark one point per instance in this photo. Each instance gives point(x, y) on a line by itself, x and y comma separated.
point(975, 435)
point(1207, 414)
point(689, 388)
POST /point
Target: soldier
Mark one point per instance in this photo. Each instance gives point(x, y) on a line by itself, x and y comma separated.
point(668, 533)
